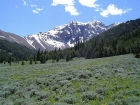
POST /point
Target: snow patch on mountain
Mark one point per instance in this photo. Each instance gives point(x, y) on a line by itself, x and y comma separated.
point(14, 39)
point(2, 37)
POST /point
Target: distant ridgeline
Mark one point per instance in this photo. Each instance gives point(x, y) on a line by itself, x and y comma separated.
point(17, 51)
point(122, 39)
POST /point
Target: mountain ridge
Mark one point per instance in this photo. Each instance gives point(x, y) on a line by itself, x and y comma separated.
point(11, 37)
point(65, 36)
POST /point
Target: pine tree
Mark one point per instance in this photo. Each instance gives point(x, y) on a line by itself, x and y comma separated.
point(31, 60)
point(35, 60)
point(10, 60)
point(38, 55)
point(22, 63)
point(137, 51)
point(43, 58)
point(1, 60)
point(67, 57)
point(57, 58)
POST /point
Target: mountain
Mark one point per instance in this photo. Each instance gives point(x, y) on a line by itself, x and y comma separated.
point(67, 35)
point(122, 39)
point(14, 38)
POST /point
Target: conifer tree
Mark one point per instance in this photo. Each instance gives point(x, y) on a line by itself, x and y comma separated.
point(31, 60)
point(1, 60)
point(10, 60)
point(22, 63)
point(43, 58)
point(35, 60)
point(38, 55)
point(67, 57)
point(57, 58)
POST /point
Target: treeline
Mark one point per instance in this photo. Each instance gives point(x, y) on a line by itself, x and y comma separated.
point(14, 50)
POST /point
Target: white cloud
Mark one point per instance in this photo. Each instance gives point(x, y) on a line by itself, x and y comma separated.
point(24, 2)
point(69, 6)
point(63, 2)
point(71, 9)
point(37, 10)
point(113, 10)
point(33, 5)
point(89, 3)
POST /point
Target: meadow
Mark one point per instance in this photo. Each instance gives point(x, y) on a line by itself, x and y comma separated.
point(103, 81)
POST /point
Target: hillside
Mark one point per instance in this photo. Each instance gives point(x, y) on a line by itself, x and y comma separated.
point(122, 39)
point(18, 51)
point(105, 81)
point(11, 37)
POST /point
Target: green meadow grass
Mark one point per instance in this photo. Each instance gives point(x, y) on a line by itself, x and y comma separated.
point(103, 81)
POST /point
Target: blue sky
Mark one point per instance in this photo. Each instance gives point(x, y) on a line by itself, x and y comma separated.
point(24, 17)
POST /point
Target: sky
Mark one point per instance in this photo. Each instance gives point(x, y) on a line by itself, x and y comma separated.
point(25, 17)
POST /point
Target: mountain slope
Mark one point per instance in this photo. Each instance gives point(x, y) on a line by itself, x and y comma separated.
point(13, 38)
point(67, 35)
point(17, 51)
point(122, 39)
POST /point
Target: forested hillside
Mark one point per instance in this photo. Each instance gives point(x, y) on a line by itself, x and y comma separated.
point(122, 39)
point(18, 52)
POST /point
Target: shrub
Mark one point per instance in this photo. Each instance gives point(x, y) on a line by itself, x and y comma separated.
point(83, 88)
point(67, 90)
point(20, 102)
point(111, 103)
point(99, 97)
point(117, 96)
point(60, 103)
point(43, 102)
point(42, 95)
point(92, 82)
point(131, 101)
point(11, 89)
point(56, 98)
point(118, 102)
point(4, 94)
point(88, 95)
point(82, 75)
point(55, 87)
point(134, 92)
point(101, 91)
point(33, 93)
point(69, 99)
point(64, 82)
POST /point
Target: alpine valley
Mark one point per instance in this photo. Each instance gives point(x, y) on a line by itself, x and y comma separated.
point(64, 36)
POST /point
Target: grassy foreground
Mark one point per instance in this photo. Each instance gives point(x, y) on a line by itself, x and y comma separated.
point(106, 81)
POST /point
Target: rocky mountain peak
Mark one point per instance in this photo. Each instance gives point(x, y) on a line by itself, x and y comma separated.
point(66, 35)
